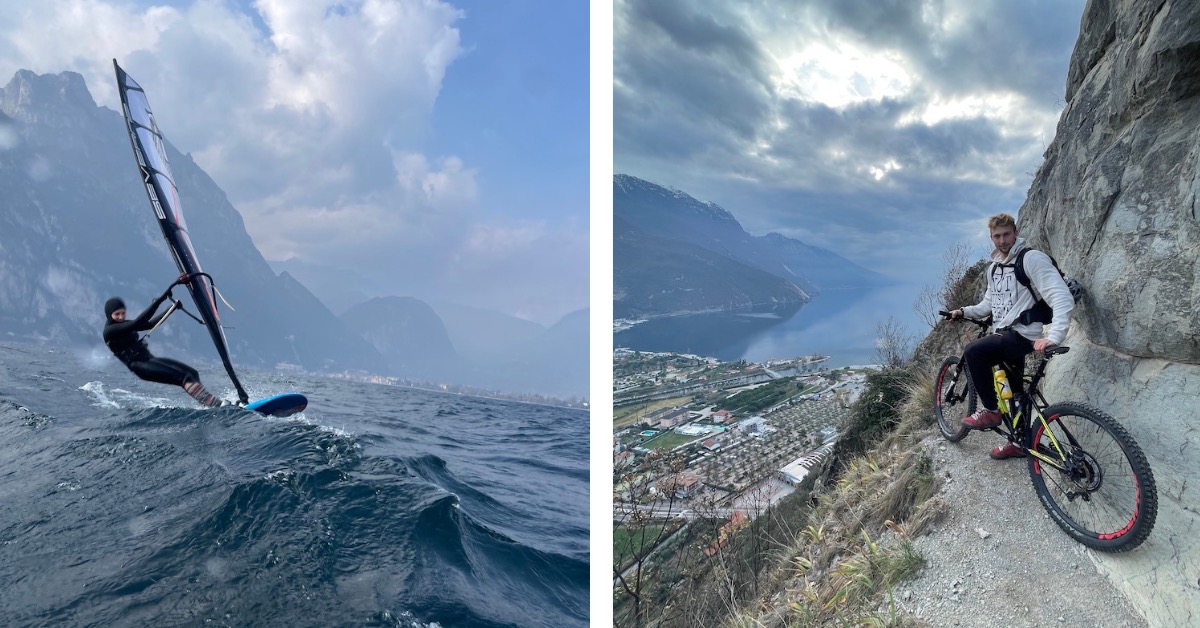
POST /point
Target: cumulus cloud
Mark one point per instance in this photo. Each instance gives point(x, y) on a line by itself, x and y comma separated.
point(425, 210)
point(451, 185)
point(316, 104)
point(844, 123)
point(314, 117)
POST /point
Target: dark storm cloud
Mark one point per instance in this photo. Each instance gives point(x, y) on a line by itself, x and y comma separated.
point(874, 132)
point(702, 33)
point(896, 23)
point(945, 134)
point(1010, 44)
point(684, 80)
point(685, 112)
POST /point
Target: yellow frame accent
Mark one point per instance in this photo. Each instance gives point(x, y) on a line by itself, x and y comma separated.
point(1054, 462)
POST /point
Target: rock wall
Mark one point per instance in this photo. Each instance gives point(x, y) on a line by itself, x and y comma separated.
point(1116, 202)
point(1156, 400)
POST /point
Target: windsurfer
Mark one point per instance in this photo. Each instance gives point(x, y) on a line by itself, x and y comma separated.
point(122, 338)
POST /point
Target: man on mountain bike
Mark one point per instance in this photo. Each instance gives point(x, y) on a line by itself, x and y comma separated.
point(1013, 336)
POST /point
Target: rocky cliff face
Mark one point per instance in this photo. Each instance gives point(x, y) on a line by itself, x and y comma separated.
point(1117, 202)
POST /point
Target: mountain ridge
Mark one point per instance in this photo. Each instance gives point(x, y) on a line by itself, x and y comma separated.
point(657, 228)
point(77, 229)
point(74, 199)
point(496, 351)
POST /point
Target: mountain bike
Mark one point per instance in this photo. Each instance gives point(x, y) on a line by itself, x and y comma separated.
point(1087, 470)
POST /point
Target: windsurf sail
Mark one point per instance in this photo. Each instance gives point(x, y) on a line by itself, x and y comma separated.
point(151, 155)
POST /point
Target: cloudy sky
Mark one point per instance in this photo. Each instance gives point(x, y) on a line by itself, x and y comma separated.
point(442, 143)
point(886, 130)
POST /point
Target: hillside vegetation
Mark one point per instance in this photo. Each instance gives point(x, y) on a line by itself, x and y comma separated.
point(830, 559)
point(855, 545)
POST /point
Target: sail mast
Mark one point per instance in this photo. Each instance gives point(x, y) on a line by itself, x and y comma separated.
point(150, 151)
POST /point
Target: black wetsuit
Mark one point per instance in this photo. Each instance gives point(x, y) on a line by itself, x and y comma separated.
point(122, 338)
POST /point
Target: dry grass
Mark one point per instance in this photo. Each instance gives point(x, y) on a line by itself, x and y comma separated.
point(857, 584)
point(744, 620)
point(843, 566)
point(917, 407)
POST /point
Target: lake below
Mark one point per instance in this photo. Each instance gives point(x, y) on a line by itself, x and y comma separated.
point(842, 324)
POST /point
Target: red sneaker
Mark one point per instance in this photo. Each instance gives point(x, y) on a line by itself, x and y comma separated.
point(983, 419)
point(1008, 451)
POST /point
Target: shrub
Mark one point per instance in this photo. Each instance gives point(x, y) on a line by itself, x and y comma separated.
point(876, 410)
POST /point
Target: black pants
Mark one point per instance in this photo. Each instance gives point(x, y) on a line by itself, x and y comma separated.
point(164, 371)
point(981, 355)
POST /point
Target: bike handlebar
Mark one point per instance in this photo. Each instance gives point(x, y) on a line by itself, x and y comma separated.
point(946, 315)
point(1051, 351)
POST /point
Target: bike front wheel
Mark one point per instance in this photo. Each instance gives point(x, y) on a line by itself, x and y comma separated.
point(954, 398)
point(1095, 481)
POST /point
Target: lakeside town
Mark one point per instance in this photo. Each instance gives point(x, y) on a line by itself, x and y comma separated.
point(740, 435)
point(458, 389)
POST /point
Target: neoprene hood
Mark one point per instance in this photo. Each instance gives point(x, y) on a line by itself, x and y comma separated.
point(112, 305)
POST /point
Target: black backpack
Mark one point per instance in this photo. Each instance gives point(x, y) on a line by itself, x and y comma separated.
point(1041, 312)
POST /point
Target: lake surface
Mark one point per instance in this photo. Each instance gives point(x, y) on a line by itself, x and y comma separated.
point(126, 504)
point(841, 324)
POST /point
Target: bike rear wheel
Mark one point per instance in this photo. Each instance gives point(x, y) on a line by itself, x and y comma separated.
point(954, 398)
point(1105, 496)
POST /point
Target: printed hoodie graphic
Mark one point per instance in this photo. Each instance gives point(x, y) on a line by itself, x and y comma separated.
point(1006, 298)
point(1003, 286)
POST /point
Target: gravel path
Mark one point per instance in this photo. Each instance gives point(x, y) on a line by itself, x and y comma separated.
point(1026, 572)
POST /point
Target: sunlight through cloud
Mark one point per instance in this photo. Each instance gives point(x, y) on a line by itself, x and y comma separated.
point(838, 74)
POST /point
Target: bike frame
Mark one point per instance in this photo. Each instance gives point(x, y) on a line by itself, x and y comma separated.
point(1023, 413)
point(1123, 517)
point(1020, 424)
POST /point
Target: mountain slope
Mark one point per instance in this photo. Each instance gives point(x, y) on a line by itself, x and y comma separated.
point(655, 275)
point(555, 361)
point(408, 333)
point(705, 244)
point(485, 336)
point(77, 228)
point(339, 289)
point(672, 214)
point(822, 268)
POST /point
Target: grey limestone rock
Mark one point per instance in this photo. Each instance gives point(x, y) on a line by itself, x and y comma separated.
point(1116, 202)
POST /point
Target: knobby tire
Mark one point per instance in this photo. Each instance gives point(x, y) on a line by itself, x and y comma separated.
point(953, 400)
point(1108, 501)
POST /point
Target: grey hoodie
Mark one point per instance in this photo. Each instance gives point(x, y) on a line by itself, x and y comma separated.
point(1006, 298)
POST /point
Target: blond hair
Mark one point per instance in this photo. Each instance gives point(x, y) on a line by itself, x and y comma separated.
point(1002, 220)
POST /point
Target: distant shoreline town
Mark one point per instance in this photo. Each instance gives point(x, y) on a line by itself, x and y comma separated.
point(622, 324)
point(463, 389)
point(702, 442)
point(739, 436)
point(288, 368)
